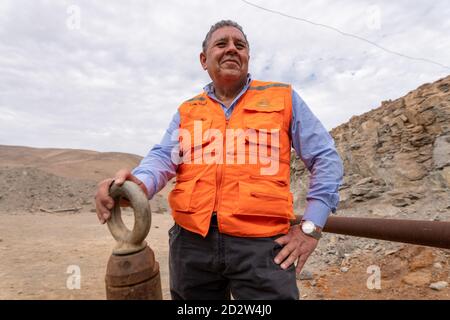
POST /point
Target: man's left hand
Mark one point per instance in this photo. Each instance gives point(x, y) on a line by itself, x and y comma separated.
point(297, 246)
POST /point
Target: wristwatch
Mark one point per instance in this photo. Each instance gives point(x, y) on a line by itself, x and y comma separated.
point(310, 229)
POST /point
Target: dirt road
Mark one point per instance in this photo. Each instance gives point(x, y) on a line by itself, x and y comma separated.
point(37, 250)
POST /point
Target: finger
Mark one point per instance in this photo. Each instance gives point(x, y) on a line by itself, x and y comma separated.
point(284, 253)
point(290, 260)
point(283, 240)
point(121, 176)
point(103, 202)
point(99, 215)
point(102, 213)
point(300, 263)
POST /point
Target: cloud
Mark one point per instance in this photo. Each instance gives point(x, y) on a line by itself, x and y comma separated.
point(114, 83)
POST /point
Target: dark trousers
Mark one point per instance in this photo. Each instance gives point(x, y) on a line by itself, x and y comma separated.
point(214, 267)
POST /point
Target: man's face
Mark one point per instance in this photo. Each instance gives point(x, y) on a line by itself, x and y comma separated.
point(226, 56)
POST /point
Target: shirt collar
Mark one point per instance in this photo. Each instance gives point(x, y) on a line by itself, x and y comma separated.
point(209, 88)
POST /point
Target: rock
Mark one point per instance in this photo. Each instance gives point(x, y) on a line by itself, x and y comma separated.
point(305, 275)
point(437, 265)
point(422, 159)
point(378, 249)
point(439, 285)
point(389, 252)
point(420, 140)
point(441, 152)
point(364, 181)
point(417, 278)
point(427, 117)
point(444, 87)
point(417, 129)
point(394, 193)
point(360, 191)
point(424, 259)
point(408, 169)
point(414, 195)
point(445, 174)
point(344, 269)
point(400, 202)
point(372, 195)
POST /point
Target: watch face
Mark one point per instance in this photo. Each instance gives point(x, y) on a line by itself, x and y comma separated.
point(308, 227)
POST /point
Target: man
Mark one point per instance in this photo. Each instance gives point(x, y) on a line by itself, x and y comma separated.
point(232, 231)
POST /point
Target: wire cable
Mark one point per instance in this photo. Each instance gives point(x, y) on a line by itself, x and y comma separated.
point(346, 34)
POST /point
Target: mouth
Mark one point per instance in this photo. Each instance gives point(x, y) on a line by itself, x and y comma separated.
point(233, 61)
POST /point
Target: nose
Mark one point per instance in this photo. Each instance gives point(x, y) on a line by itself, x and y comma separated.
point(231, 48)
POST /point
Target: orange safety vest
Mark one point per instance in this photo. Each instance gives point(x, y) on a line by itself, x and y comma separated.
point(243, 177)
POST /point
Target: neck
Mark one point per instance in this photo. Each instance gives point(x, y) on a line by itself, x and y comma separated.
point(228, 91)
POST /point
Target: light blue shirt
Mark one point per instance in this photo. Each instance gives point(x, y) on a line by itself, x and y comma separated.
point(311, 141)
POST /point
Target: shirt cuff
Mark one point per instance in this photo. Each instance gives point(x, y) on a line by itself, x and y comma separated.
point(317, 212)
point(148, 182)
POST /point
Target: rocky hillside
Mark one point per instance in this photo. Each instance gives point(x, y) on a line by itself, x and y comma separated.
point(396, 157)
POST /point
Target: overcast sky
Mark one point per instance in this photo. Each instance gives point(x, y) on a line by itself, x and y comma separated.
point(109, 75)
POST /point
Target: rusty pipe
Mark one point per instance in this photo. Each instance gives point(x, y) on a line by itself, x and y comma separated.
point(419, 232)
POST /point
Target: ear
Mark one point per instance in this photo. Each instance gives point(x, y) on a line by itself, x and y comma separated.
point(203, 61)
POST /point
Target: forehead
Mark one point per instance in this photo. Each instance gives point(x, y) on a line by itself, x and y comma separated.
point(226, 33)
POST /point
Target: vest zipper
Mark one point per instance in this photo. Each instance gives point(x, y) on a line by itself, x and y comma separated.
point(219, 172)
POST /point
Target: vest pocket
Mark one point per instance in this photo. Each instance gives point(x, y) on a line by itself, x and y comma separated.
point(264, 114)
point(180, 197)
point(194, 135)
point(264, 198)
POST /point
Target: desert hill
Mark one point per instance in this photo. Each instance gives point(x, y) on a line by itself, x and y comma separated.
point(33, 179)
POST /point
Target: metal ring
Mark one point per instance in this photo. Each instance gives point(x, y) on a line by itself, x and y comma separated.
point(129, 241)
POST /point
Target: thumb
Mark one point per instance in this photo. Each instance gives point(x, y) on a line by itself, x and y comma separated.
point(121, 176)
point(283, 240)
point(119, 181)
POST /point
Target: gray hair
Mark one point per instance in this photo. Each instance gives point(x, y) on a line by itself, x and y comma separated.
point(221, 24)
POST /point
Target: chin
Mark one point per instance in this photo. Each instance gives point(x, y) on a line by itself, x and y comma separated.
point(232, 74)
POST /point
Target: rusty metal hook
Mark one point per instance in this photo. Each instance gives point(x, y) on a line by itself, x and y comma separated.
point(129, 241)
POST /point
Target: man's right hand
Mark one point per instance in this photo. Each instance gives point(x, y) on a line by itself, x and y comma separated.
point(103, 202)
